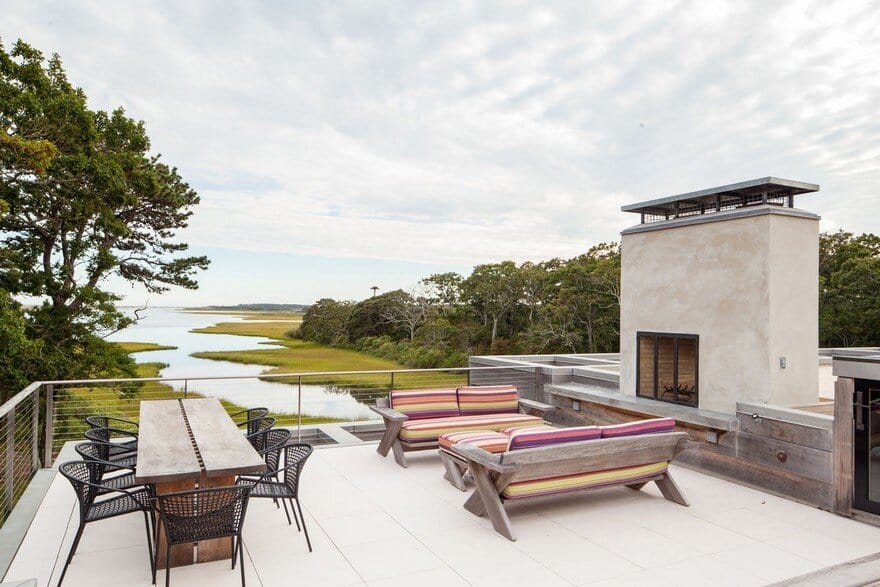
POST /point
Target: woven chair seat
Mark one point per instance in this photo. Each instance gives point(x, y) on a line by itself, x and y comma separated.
point(268, 489)
point(117, 506)
point(125, 481)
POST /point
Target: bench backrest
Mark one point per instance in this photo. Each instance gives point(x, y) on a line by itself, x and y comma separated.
point(465, 400)
point(534, 436)
point(593, 455)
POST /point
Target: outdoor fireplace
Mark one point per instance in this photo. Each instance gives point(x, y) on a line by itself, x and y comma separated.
point(719, 298)
point(668, 367)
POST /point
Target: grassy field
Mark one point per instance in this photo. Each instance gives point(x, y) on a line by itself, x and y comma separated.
point(143, 347)
point(275, 330)
point(297, 356)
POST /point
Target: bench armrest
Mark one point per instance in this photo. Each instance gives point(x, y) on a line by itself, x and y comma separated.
point(533, 408)
point(389, 414)
point(479, 456)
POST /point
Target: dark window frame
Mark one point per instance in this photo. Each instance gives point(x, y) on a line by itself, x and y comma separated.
point(655, 392)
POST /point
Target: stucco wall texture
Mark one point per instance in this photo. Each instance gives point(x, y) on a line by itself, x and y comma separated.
point(747, 285)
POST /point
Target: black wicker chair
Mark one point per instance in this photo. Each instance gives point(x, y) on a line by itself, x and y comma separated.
point(258, 438)
point(203, 514)
point(123, 440)
point(100, 421)
point(106, 470)
point(115, 452)
point(283, 483)
point(251, 419)
point(84, 475)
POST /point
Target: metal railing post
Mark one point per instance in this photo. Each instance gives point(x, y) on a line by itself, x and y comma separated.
point(392, 382)
point(185, 388)
point(9, 496)
point(50, 425)
point(299, 411)
point(35, 431)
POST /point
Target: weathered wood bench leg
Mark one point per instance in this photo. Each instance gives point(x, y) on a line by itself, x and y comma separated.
point(488, 490)
point(474, 504)
point(453, 472)
point(637, 486)
point(397, 448)
point(392, 429)
point(670, 489)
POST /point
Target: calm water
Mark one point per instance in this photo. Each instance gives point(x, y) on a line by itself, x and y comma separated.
point(170, 326)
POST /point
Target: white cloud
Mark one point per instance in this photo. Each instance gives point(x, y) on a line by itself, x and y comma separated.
point(467, 132)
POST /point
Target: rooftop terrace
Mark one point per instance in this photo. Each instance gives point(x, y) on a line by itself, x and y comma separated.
point(374, 523)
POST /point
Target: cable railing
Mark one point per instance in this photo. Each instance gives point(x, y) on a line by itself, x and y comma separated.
point(38, 421)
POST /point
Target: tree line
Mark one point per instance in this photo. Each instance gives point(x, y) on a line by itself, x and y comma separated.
point(561, 306)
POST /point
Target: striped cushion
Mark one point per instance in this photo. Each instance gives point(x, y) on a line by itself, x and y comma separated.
point(655, 426)
point(419, 404)
point(547, 435)
point(551, 485)
point(486, 439)
point(430, 430)
point(487, 399)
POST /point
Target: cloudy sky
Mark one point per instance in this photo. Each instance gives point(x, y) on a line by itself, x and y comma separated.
point(340, 145)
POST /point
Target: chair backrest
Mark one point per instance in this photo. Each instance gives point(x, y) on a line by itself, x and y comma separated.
point(94, 452)
point(419, 404)
point(258, 437)
point(275, 440)
point(100, 421)
point(83, 475)
point(107, 433)
point(252, 418)
point(476, 400)
point(295, 456)
point(204, 513)
point(104, 449)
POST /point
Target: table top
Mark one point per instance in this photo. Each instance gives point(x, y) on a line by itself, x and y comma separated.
point(188, 439)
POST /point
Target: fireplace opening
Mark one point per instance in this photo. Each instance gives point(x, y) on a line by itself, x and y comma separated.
point(668, 367)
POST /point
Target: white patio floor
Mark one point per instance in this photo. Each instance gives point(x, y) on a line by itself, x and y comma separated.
point(374, 523)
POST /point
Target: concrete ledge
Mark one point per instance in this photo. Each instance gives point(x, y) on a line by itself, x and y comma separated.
point(855, 573)
point(615, 399)
point(792, 415)
point(14, 530)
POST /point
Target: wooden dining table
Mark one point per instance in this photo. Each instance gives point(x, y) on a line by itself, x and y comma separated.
point(190, 444)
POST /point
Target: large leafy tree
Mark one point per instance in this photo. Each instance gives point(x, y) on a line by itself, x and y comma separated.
point(849, 289)
point(85, 200)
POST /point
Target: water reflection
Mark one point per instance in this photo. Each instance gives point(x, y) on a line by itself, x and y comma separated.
point(170, 326)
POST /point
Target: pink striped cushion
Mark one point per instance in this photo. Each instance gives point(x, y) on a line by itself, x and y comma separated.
point(419, 404)
point(547, 435)
point(430, 430)
point(654, 426)
point(488, 440)
point(487, 399)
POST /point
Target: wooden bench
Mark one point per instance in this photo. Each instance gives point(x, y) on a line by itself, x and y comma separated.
point(519, 412)
point(632, 461)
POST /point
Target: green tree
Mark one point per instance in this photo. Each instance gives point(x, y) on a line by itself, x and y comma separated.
point(326, 322)
point(86, 200)
point(493, 290)
point(849, 282)
point(20, 359)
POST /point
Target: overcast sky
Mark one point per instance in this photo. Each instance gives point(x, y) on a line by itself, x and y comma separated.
point(341, 145)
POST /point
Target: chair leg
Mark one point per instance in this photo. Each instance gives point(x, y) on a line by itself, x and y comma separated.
point(305, 530)
point(286, 513)
point(149, 527)
point(295, 517)
point(168, 564)
point(241, 559)
point(234, 550)
point(79, 532)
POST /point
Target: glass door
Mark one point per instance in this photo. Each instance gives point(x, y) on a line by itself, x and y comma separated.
point(867, 446)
